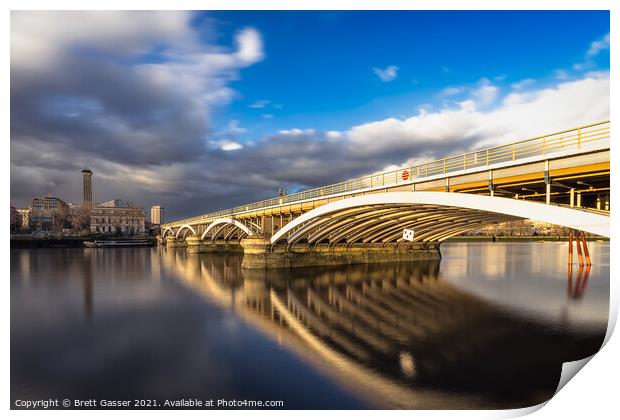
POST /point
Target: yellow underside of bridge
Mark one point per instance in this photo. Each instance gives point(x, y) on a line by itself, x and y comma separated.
point(459, 183)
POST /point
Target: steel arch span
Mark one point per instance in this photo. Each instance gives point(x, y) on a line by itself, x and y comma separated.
point(219, 224)
point(185, 227)
point(434, 216)
point(166, 231)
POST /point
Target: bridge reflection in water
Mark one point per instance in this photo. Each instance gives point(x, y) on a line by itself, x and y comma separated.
point(399, 334)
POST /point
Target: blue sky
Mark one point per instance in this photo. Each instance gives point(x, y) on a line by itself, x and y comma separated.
point(199, 111)
point(318, 66)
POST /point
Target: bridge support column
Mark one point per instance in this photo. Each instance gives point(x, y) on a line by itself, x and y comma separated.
point(161, 240)
point(580, 241)
point(194, 244)
point(267, 226)
point(221, 246)
point(259, 253)
point(547, 183)
point(172, 242)
point(607, 202)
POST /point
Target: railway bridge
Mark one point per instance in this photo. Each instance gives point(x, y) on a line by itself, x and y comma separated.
point(560, 178)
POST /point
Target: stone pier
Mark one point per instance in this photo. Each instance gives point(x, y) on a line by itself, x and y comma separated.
point(259, 253)
point(172, 242)
point(196, 245)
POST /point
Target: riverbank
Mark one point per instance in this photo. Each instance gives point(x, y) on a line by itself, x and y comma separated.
point(29, 242)
point(549, 238)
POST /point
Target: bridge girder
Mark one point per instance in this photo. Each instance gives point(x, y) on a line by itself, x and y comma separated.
point(218, 225)
point(434, 216)
point(184, 227)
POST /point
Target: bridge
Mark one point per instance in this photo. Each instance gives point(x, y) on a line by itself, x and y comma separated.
point(560, 178)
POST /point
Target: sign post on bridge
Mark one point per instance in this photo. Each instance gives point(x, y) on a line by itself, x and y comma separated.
point(408, 235)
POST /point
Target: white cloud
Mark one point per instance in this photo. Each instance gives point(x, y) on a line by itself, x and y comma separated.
point(599, 74)
point(597, 46)
point(333, 134)
point(485, 94)
point(228, 145)
point(425, 108)
point(446, 127)
point(219, 95)
point(250, 46)
point(480, 96)
point(452, 90)
point(40, 38)
point(293, 131)
point(514, 98)
point(522, 84)
point(234, 128)
point(388, 74)
point(588, 64)
point(260, 103)
point(518, 116)
point(297, 132)
point(267, 116)
point(467, 105)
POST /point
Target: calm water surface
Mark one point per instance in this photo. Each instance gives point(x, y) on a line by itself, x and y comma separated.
point(488, 326)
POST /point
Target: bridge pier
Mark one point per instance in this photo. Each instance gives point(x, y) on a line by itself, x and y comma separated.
point(195, 245)
point(259, 253)
point(172, 242)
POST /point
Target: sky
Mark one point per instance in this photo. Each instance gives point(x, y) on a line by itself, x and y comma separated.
point(199, 111)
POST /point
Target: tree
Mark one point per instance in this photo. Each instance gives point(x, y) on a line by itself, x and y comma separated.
point(81, 220)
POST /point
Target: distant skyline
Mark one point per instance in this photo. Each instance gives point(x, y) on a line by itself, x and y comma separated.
point(199, 111)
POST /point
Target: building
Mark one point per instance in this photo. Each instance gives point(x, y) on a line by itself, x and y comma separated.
point(87, 198)
point(157, 215)
point(49, 213)
point(116, 203)
point(117, 217)
point(15, 220)
point(24, 219)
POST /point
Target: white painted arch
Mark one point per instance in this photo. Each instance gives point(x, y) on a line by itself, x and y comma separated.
point(188, 227)
point(226, 221)
point(456, 213)
point(166, 231)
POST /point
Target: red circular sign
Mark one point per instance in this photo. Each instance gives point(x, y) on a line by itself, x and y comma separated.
point(405, 175)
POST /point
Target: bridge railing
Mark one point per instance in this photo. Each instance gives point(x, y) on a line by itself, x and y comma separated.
point(572, 139)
